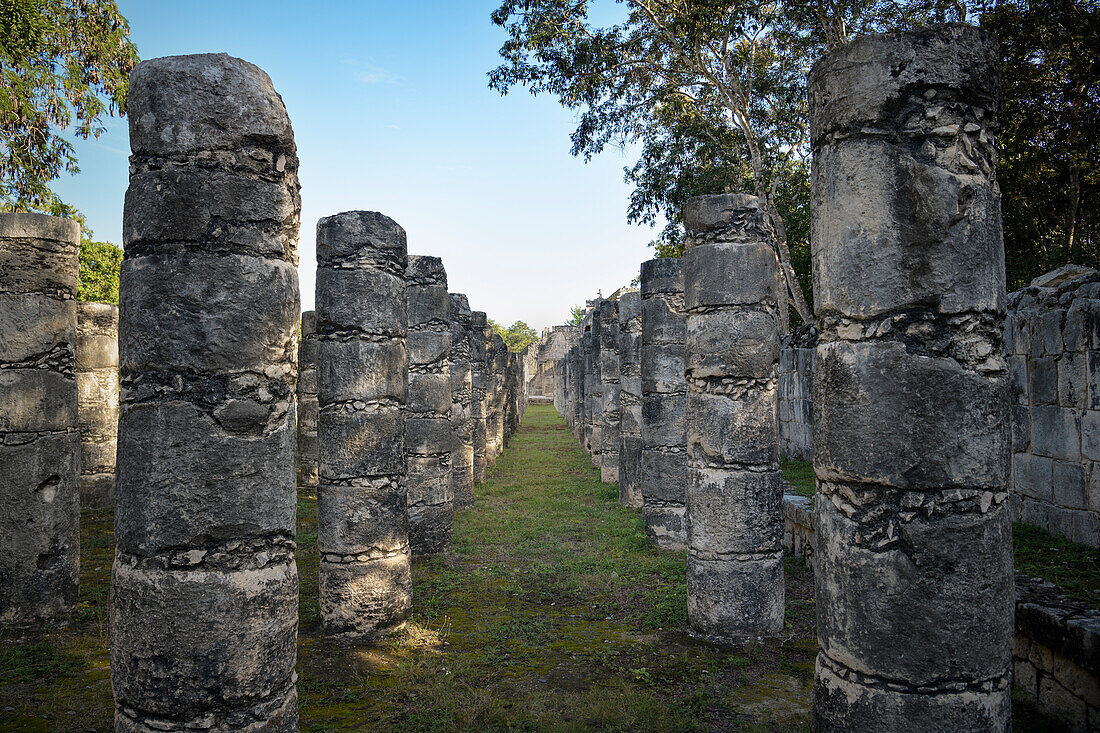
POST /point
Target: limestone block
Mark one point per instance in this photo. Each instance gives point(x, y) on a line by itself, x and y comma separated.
point(1056, 432)
point(860, 437)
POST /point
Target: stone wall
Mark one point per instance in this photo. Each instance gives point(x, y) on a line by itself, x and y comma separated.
point(1052, 338)
point(543, 355)
point(796, 378)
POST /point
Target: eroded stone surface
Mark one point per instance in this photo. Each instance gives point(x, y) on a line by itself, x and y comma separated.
point(39, 439)
point(664, 402)
point(733, 497)
point(429, 433)
point(462, 455)
point(914, 554)
point(98, 387)
point(630, 399)
point(362, 392)
point(307, 401)
point(204, 588)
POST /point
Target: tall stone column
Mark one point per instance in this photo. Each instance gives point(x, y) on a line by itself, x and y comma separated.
point(577, 372)
point(911, 426)
point(497, 354)
point(593, 390)
point(462, 458)
point(204, 593)
point(734, 499)
point(363, 520)
point(98, 388)
point(630, 399)
point(429, 436)
point(479, 395)
point(609, 379)
point(39, 441)
point(307, 401)
point(664, 401)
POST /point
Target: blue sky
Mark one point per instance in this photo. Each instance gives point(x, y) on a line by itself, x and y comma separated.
point(392, 112)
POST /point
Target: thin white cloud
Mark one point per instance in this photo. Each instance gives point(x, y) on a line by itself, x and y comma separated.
point(368, 73)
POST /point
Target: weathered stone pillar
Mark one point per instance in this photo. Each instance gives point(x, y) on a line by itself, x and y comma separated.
point(98, 388)
point(497, 356)
point(577, 377)
point(363, 521)
point(630, 399)
point(39, 441)
point(593, 388)
point(479, 397)
point(307, 401)
point(609, 379)
point(734, 499)
point(911, 428)
point(429, 436)
point(204, 593)
point(462, 457)
point(664, 400)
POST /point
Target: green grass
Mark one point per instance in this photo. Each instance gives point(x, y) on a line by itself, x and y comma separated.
point(549, 612)
point(1073, 567)
point(801, 476)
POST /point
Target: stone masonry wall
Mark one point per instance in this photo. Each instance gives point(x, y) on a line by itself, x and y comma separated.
point(1052, 339)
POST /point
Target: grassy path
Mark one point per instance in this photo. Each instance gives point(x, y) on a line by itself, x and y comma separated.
point(551, 612)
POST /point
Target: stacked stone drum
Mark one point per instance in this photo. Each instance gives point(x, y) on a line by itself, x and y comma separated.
point(428, 432)
point(204, 593)
point(363, 528)
point(734, 500)
point(39, 441)
point(911, 429)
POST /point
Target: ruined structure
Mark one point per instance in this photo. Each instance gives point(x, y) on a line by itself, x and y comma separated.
point(1051, 338)
point(362, 534)
point(630, 399)
point(98, 388)
point(479, 393)
point(734, 500)
point(307, 401)
point(609, 385)
point(541, 369)
point(462, 455)
point(664, 400)
point(39, 442)
point(204, 592)
point(428, 433)
point(593, 384)
point(914, 553)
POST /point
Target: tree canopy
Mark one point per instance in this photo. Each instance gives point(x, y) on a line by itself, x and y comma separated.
point(714, 93)
point(64, 64)
point(100, 266)
point(517, 336)
point(576, 316)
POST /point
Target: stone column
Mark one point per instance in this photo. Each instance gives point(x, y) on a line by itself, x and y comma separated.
point(911, 426)
point(204, 593)
point(593, 389)
point(577, 377)
point(630, 399)
point(429, 436)
point(609, 380)
point(98, 388)
point(734, 499)
point(39, 441)
point(462, 458)
point(497, 355)
point(363, 526)
point(664, 400)
point(307, 401)
point(478, 395)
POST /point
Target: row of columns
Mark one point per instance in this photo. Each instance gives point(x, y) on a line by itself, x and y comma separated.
point(197, 373)
point(914, 559)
